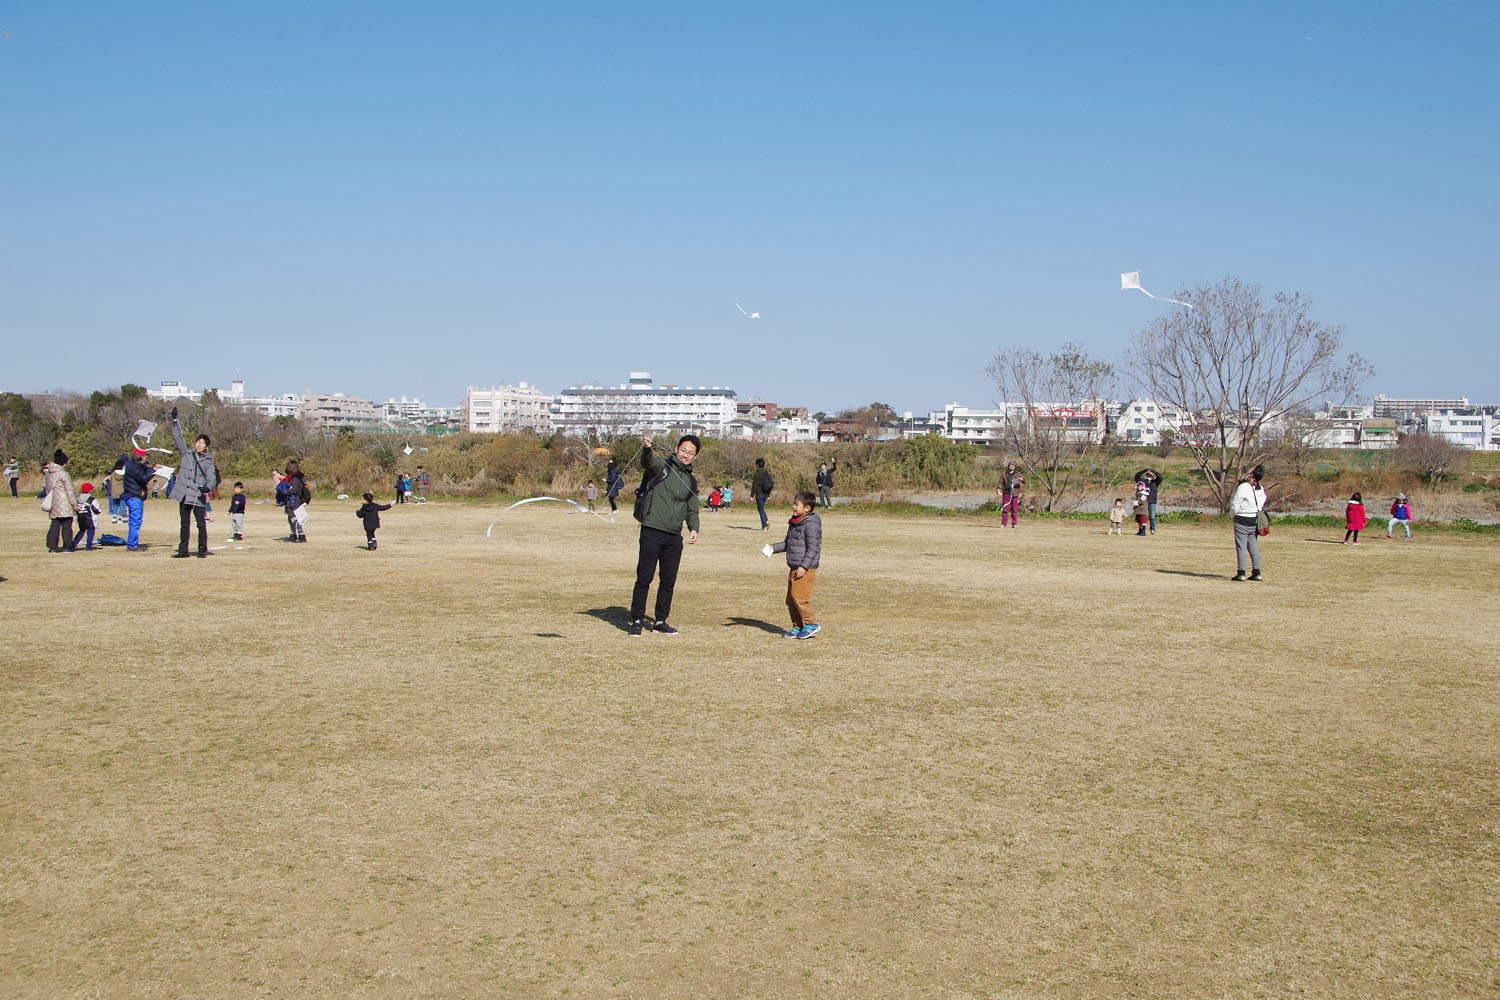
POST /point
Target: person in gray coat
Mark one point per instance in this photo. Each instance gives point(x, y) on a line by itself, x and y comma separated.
point(197, 477)
point(804, 548)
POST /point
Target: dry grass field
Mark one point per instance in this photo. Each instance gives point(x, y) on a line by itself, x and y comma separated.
point(1034, 763)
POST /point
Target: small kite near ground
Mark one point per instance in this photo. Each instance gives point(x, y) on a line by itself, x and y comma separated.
point(747, 315)
point(578, 508)
point(1132, 279)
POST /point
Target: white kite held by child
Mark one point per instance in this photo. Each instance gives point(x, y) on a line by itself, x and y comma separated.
point(1132, 279)
point(578, 508)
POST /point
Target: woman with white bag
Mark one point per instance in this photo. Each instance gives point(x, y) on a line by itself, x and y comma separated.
point(58, 503)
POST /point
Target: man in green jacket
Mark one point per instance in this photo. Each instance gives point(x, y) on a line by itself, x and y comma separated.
point(671, 498)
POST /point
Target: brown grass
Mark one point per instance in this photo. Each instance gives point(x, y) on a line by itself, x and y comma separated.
point(1035, 763)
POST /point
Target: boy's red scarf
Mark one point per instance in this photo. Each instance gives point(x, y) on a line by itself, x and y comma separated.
point(798, 520)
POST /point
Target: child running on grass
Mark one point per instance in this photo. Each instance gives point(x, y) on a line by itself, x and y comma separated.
point(369, 513)
point(803, 545)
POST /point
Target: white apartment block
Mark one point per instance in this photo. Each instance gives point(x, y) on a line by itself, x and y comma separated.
point(783, 430)
point(405, 412)
point(790, 430)
point(985, 428)
point(1475, 430)
point(1140, 421)
point(1386, 406)
point(171, 392)
point(639, 407)
point(1085, 421)
point(507, 409)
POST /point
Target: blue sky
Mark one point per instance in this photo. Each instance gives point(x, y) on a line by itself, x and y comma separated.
point(389, 199)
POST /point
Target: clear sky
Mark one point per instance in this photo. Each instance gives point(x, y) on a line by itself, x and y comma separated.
point(398, 198)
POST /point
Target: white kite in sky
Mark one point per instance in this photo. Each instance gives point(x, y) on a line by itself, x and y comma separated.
point(143, 430)
point(747, 315)
point(1132, 279)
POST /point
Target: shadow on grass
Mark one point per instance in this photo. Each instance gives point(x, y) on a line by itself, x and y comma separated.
point(617, 616)
point(740, 527)
point(548, 635)
point(752, 623)
point(1201, 576)
point(1325, 541)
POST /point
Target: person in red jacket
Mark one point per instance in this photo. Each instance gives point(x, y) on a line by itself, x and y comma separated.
point(1354, 518)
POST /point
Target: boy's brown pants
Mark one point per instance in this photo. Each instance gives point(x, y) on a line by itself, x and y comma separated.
point(799, 597)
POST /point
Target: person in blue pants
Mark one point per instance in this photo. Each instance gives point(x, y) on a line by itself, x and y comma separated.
point(135, 483)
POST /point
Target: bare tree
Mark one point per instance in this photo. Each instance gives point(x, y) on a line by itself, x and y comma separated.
point(1234, 360)
point(1294, 439)
point(1433, 458)
point(1054, 418)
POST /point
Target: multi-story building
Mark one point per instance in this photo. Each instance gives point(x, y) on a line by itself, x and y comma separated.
point(639, 406)
point(1386, 406)
point(174, 391)
point(790, 430)
point(508, 409)
point(985, 428)
point(413, 413)
point(1350, 427)
point(335, 409)
point(1141, 422)
point(1472, 429)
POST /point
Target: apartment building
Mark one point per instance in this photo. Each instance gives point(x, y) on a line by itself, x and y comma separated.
point(639, 406)
point(508, 409)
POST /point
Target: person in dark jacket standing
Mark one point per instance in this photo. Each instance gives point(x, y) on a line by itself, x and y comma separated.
point(825, 482)
point(197, 477)
point(804, 548)
point(761, 485)
point(613, 484)
point(369, 513)
point(1152, 479)
point(135, 481)
point(671, 497)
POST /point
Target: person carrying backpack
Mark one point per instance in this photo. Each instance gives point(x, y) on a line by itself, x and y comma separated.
point(668, 496)
point(761, 485)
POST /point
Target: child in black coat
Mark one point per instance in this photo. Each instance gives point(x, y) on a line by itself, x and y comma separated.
point(370, 514)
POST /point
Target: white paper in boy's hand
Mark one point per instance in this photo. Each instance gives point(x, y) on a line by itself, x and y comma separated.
point(165, 471)
point(301, 515)
point(767, 551)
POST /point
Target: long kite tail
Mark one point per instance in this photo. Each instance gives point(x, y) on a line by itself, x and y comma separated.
point(1163, 298)
point(570, 503)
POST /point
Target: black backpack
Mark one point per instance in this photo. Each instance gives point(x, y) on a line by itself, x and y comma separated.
point(647, 485)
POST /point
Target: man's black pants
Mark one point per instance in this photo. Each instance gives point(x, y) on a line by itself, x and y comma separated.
point(663, 548)
point(189, 512)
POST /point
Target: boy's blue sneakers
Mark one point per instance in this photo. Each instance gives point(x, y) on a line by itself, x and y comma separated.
point(792, 633)
point(808, 631)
